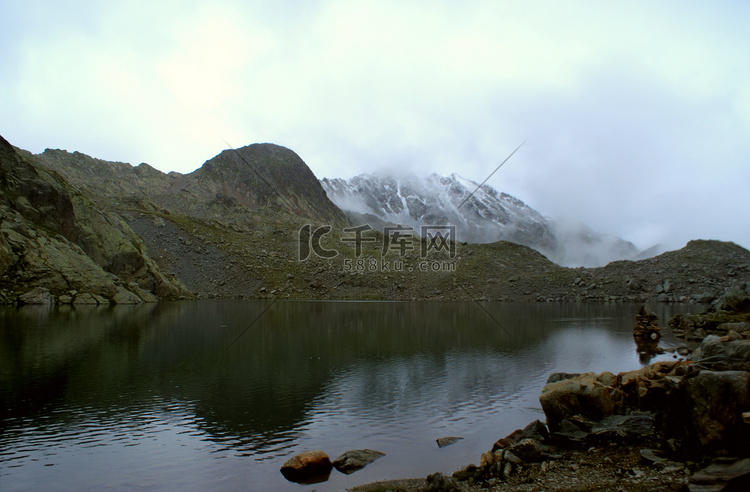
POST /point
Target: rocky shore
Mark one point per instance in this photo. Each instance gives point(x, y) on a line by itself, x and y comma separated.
point(674, 425)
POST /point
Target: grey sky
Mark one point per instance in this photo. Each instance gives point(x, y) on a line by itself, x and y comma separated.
point(637, 114)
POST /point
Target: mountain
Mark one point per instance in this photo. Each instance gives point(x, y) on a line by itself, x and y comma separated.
point(225, 229)
point(233, 187)
point(263, 176)
point(76, 229)
point(53, 238)
point(480, 214)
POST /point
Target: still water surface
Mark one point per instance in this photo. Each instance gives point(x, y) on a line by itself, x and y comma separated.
point(194, 395)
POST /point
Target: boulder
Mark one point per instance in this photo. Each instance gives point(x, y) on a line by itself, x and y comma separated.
point(722, 476)
point(124, 296)
point(704, 297)
point(39, 295)
point(569, 434)
point(561, 376)
point(650, 457)
point(739, 327)
point(101, 300)
point(529, 450)
point(85, 298)
point(467, 472)
point(439, 482)
point(717, 354)
point(357, 459)
point(587, 394)
point(535, 430)
point(734, 300)
point(717, 400)
point(145, 295)
point(308, 467)
point(648, 388)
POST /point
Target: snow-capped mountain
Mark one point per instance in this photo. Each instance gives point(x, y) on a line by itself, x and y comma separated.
point(480, 214)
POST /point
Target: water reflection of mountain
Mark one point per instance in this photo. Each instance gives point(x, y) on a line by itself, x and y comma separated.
point(261, 389)
point(256, 393)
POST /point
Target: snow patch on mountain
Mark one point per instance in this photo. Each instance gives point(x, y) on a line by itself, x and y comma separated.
point(480, 214)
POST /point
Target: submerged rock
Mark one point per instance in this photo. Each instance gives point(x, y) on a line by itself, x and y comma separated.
point(447, 441)
point(357, 459)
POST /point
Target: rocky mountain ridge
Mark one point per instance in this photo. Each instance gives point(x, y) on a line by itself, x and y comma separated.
point(230, 187)
point(237, 227)
point(480, 214)
point(54, 238)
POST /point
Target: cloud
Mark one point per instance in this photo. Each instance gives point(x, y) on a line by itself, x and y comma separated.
point(634, 113)
point(624, 143)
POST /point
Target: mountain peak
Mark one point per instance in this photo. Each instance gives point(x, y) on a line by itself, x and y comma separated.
point(260, 175)
point(481, 214)
point(227, 186)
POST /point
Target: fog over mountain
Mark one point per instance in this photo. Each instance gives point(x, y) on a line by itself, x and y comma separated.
point(480, 214)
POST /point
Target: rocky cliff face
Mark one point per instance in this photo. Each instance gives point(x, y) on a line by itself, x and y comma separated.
point(481, 215)
point(57, 242)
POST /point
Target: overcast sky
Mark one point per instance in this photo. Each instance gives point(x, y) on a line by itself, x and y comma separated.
point(636, 115)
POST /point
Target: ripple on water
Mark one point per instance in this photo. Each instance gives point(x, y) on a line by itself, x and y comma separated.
point(194, 419)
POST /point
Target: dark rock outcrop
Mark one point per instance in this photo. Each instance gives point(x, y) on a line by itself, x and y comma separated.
point(735, 300)
point(701, 407)
point(54, 237)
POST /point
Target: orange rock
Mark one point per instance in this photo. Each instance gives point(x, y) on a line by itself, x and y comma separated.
point(308, 467)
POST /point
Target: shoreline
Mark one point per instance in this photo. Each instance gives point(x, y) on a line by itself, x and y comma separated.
point(629, 431)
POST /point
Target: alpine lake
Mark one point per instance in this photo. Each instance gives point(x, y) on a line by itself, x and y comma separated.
point(218, 394)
